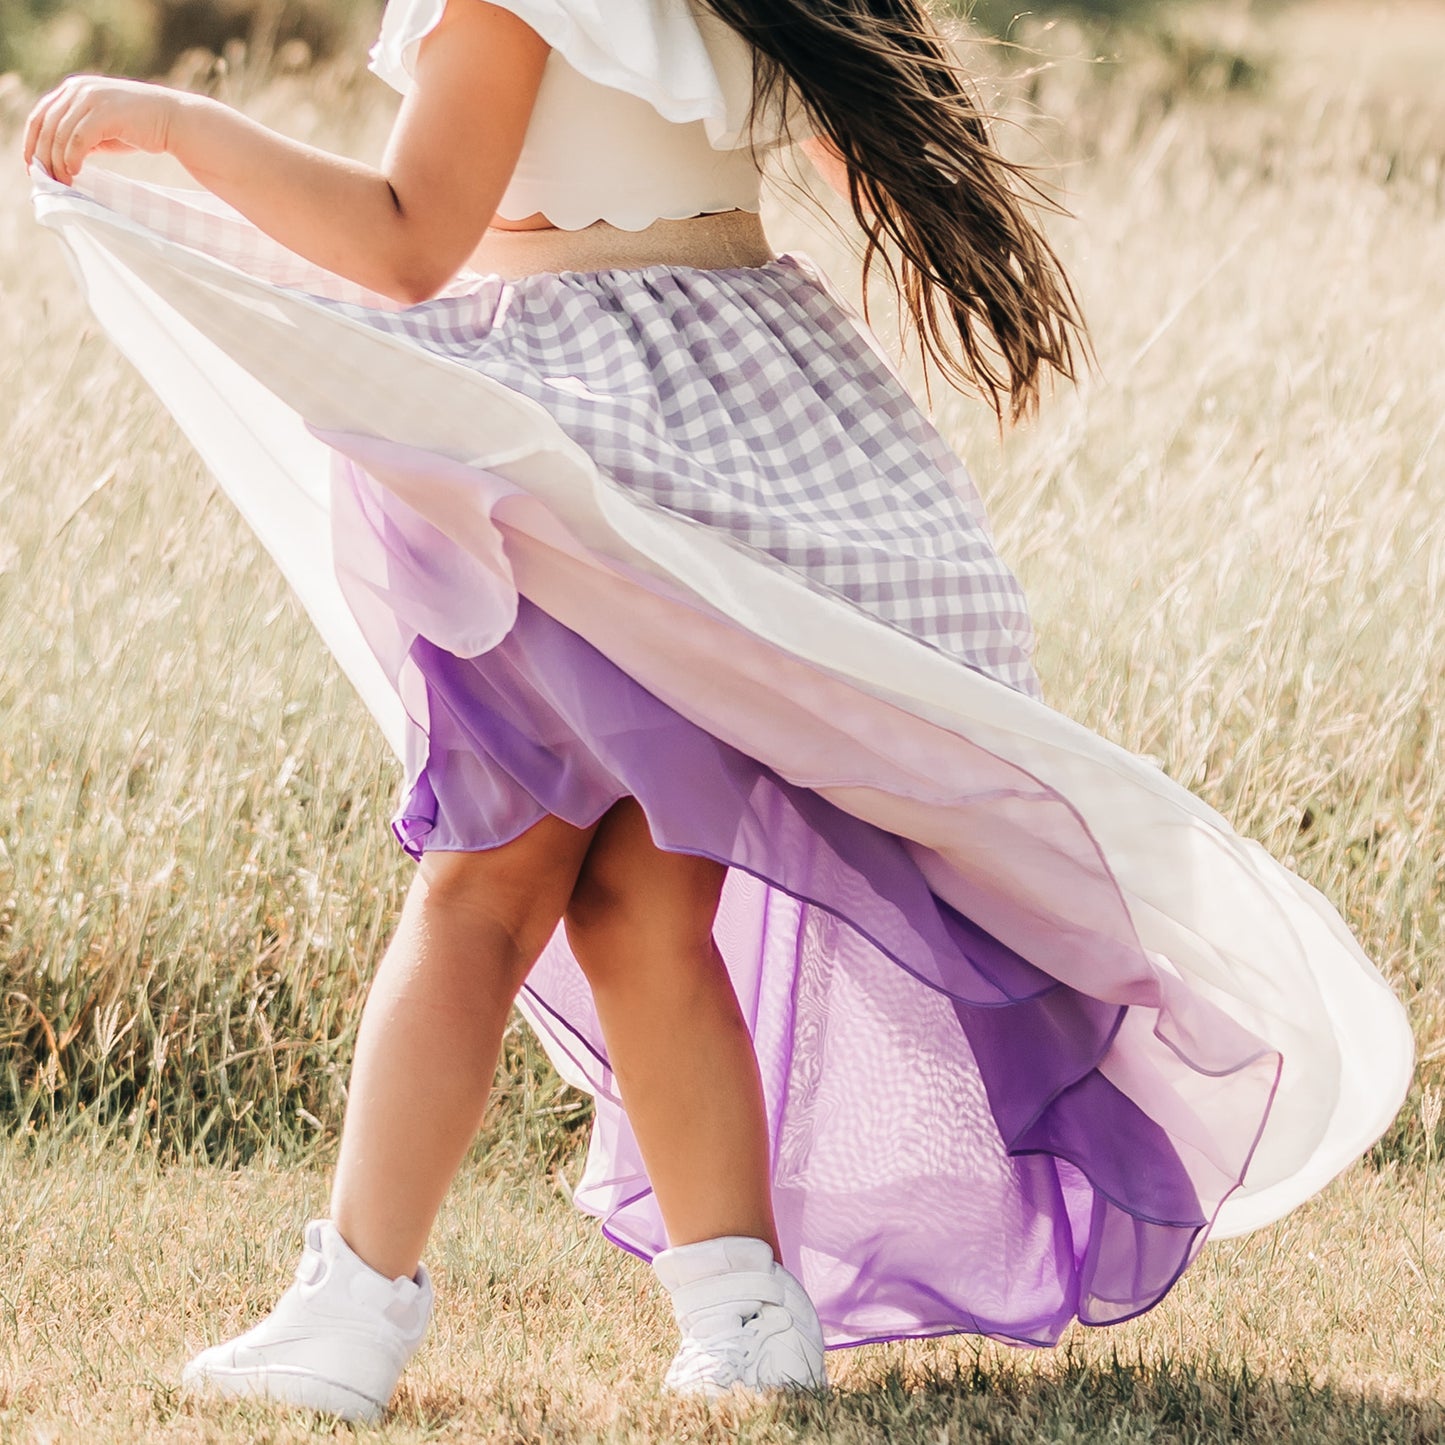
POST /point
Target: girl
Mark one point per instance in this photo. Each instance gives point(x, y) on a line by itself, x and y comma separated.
point(723, 746)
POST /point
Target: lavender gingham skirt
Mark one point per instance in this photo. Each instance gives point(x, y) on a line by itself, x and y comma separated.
point(1030, 1019)
point(748, 402)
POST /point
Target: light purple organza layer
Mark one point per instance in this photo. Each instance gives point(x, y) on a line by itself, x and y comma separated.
point(947, 1146)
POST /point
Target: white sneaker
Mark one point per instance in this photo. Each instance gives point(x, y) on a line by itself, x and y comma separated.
point(337, 1341)
point(745, 1320)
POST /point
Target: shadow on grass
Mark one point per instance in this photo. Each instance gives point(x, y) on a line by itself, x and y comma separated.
point(1162, 1402)
point(990, 1403)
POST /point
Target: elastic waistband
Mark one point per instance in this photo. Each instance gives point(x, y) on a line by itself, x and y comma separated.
point(708, 243)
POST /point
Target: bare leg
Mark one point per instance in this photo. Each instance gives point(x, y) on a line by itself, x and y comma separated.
point(426, 1054)
point(640, 923)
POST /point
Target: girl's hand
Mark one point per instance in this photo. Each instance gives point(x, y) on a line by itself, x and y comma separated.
point(94, 113)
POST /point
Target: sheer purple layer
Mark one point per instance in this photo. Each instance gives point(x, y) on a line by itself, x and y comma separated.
point(986, 1177)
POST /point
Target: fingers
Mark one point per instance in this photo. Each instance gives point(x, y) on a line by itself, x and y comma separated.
point(45, 133)
point(68, 117)
point(75, 137)
point(34, 123)
point(63, 129)
point(89, 113)
point(44, 124)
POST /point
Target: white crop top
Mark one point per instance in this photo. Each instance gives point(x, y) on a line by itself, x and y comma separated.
point(644, 112)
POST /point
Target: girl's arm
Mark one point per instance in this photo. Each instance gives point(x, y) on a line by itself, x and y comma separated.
point(403, 229)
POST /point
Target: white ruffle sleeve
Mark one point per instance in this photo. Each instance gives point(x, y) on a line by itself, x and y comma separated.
point(687, 65)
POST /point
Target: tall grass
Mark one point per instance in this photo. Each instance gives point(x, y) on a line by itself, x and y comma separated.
point(42, 40)
point(1232, 537)
point(45, 39)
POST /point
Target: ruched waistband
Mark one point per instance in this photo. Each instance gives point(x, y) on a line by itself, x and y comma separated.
point(709, 243)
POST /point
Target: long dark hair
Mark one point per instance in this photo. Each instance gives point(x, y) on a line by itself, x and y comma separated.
point(968, 263)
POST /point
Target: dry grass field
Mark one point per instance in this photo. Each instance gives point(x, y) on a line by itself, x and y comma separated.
point(1234, 539)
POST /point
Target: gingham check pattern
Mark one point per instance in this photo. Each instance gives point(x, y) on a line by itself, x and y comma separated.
point(745, 400)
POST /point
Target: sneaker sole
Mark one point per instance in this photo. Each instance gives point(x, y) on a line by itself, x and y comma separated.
point(285, 1387)
point(740, 1390)
point(807, 1381)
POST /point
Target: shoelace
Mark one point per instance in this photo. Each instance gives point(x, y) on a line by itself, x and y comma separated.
point(719, 1359)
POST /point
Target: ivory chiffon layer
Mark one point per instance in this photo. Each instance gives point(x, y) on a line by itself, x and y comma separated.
point(1032, 1020)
